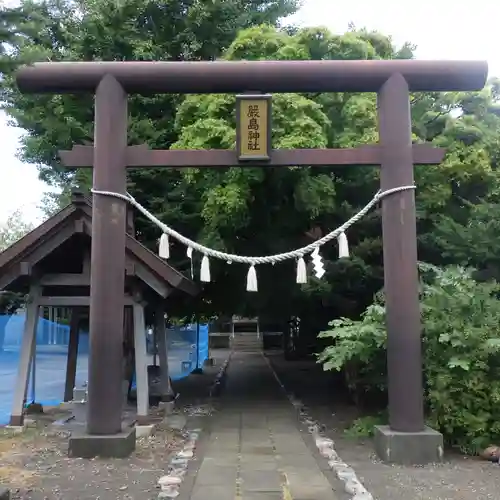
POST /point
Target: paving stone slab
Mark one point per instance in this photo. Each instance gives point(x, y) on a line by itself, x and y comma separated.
point(270, 465)
point(213, 493)
point(270, 481)
point(292, 448)
point(224, 448)
point(298, 475)
point(222, 458)
point(222, 461)
point(256, 458)
point(255, 439)
point(297, 461)
point(205, 479)
point(259, 450)
point(262, 495)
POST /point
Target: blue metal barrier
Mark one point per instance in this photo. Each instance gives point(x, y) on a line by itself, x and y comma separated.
point(187, 351)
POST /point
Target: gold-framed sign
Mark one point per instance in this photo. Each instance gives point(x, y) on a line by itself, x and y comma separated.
point(253, 127)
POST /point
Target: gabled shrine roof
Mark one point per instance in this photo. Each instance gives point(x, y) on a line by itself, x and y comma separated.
point(74, 219)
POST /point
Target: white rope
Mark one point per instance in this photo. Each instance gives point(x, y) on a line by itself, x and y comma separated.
point(252, 261)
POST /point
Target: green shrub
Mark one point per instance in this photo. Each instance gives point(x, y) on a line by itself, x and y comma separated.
point(364, 427)
point(461, 342)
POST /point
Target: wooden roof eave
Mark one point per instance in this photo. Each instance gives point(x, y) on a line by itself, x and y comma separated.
point(35, 237)
point(18, 260)
point(159, 267)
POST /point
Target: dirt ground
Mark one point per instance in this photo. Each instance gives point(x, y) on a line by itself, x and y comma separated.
point(35, 465)
point(458, 478)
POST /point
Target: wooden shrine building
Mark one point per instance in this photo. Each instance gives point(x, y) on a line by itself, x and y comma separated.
point(51, 265)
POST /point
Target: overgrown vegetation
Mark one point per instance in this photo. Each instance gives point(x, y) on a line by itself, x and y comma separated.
point(461, 343)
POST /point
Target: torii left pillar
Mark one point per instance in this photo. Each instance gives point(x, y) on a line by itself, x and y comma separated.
point(105, 436)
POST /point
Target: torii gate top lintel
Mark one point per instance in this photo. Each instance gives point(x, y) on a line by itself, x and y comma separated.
point(110, 155)
point(201, 77)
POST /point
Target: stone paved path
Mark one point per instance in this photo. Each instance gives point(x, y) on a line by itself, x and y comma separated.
point(255, 450)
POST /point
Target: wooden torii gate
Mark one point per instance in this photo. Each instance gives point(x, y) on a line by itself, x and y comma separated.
point(110, 156)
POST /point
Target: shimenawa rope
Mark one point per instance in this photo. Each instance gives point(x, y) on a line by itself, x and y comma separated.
point(298, 254)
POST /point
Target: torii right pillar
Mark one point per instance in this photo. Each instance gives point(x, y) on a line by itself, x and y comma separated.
point(406, 440)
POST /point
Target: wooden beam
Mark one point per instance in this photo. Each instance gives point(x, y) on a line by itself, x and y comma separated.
point(75, 301)
point(158, 285)
point(65, 279)
point(24, 268)
point(86, 254)
point(143, 157)
point(45, 247)
point(79, 226)
point(41, 232)
point(232, 77)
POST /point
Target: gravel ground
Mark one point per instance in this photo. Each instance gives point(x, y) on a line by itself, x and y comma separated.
point(458, 478)
point(35, 465)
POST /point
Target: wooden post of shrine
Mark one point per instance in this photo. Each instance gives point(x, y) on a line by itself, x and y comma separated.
point(400, 259)
point(72, 359)
point(107, 279)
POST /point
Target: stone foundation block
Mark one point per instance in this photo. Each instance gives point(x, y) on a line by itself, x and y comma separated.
point(120, 445)
point(408, 448)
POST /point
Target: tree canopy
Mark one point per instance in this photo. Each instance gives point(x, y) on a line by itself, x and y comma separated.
point(13, 229)
point(254, 211)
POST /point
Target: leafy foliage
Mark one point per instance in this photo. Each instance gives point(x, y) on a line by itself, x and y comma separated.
point(249, 211)
point(13, 229)
point(461, 354)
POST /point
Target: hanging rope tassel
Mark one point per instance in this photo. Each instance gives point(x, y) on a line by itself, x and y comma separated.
point(252, 279)
point(189, 253)
point(301, 271)
point(343, 246)
point(164, 249)
point(205, 270)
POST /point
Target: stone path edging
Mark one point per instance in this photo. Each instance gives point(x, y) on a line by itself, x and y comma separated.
point(178, 466)
point(326, 448)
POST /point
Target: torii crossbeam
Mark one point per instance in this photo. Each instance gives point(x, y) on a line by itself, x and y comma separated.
point(407, 439)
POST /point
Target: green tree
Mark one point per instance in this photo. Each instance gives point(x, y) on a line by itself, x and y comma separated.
point(468, 233)
point(251, 211)
point(244, 212)
point(55, 30)
point(461, 355)
point(13, 229)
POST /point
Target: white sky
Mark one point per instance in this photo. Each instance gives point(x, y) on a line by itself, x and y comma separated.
point(442, 29)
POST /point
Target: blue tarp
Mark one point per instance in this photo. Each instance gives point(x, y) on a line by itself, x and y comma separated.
point(51, 354)
point(50, 361)
point(183, 357)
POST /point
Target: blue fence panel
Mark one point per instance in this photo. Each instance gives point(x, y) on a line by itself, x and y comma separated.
point(187, 348)
point(50, 361)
